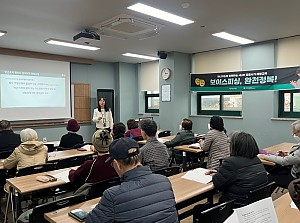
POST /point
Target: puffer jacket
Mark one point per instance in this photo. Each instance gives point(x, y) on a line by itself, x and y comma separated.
point(237, 176)
point(141, 197)
point(27, 154)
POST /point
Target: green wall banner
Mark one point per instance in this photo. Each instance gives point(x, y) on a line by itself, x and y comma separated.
point(253, 80)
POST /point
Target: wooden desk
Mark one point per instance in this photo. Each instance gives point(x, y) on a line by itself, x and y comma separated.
point(284, 212)
point(186, 192)
point(1, 164)
point(185, 149)
point(285, 146)
point(57, 155)
point(162, 139)
point(27, 184)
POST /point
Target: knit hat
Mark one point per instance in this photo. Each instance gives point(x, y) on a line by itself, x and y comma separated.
point(118, 149)
point(73, 125)
point(101, 140)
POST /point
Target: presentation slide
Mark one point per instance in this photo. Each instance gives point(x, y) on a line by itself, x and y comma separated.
point(34, 89)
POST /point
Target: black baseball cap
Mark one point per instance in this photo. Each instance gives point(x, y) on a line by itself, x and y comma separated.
point(118, 149)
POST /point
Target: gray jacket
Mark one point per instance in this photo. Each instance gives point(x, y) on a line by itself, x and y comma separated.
point(141, 197)
point(292, 159)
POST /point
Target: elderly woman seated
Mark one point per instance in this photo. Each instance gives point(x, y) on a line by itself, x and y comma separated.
point(29, 153)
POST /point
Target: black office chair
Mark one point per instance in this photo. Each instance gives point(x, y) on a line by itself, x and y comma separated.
point(50, 146)
point(70, 162)
point(138, 138)
point(216, 214)
point(36, 169)
point(260, 193)
point(37, 214)
point(5, 154)
point(98, 188)
point(169, 171)
point(164, 133)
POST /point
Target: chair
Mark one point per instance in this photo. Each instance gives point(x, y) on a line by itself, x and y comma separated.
point(70, 162)
point(138, 138)
point(216, 214)
point(164, 133)
point(5, 154)
point(169, 171)
point(27, 171)
point(146, 117)
point(260, 193)
point(37, 214)
point(98, 188)
point(50, 146)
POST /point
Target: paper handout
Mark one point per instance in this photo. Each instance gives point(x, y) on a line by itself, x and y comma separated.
point(198, 175)
point(257, 212)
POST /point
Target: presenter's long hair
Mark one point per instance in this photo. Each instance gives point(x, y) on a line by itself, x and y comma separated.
point(105, 106)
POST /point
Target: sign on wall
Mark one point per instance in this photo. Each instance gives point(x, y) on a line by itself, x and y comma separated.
point(253, 80)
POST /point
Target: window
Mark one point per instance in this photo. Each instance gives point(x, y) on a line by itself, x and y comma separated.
point(289, 104)
point(151, 101)
point(225, 103)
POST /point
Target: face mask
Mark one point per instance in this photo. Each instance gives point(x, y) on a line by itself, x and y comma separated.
point(180, 127)
point(297, 138)
point(208, 126)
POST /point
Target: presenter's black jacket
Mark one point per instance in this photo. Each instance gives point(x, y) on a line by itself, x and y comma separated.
point(142, 197)
point(9, 140)
point(70, 139)
point(237, 176)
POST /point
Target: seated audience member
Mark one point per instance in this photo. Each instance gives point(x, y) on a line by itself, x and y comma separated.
point(241, 172)
point(29, 153)
point(154, 153)
point(71, 139)
point(133, 129)
point(185, 136)
point(92, 171)
point(279, 175)
point(118, 130)
point(141, 197)
point(294, 190)
point(8, 139)
point(216, 143)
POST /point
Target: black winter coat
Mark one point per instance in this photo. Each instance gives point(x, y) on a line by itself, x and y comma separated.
point(237, 176)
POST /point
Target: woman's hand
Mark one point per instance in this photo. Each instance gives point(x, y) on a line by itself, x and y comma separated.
point(211, 172)
point(262, 156)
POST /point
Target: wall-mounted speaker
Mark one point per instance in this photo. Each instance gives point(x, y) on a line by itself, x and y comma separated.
point(162, 54)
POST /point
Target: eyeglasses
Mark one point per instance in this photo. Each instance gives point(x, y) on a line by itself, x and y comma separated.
point(294, 133)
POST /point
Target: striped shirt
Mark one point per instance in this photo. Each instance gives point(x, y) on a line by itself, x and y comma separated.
point(155, 155)
point(216, 143)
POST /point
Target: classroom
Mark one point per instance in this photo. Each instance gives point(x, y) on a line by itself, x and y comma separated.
point(181, 49)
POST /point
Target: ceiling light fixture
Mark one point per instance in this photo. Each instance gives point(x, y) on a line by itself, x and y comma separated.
point(233, 38)
point(139, 56)
point(71, 44)
point(157, 13)
point(2, 33)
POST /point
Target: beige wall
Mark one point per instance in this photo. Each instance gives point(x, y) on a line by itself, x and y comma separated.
point(217, 61)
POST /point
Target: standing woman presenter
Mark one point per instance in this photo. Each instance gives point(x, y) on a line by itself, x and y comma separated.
point(103, 116)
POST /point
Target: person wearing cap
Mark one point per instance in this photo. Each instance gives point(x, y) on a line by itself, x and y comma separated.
point(154, 153)
point(142, 196)
point(92, 171)
point(71, 139)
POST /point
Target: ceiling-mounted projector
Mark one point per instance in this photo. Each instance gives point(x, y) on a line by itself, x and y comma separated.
point(87, 34)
